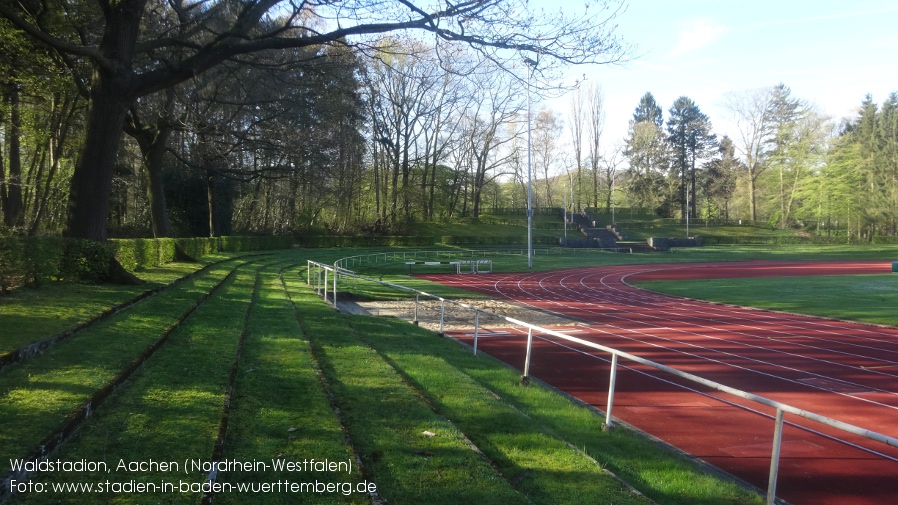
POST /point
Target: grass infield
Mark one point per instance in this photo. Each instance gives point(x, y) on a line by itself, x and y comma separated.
point(863, 298)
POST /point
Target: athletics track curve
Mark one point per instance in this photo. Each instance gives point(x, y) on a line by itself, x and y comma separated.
point(846, 371)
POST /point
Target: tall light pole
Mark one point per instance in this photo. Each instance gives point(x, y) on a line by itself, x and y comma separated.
point(564, 210)
point(530, 66)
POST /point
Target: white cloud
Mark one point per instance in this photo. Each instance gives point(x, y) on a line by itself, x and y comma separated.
point(698, 33)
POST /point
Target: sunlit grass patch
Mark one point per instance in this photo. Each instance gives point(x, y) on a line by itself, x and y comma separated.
point(427, 358)
point(280, 409)
point(413, 454)
point(36, 395)
point(866, 298)
point(170, 410)
point(540, 465)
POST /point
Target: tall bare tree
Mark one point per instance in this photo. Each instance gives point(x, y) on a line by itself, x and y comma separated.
point(546, 129)
point(595, 125)
point(757, 116)
point(138, 47)
point(494, 106)
point(576, 126)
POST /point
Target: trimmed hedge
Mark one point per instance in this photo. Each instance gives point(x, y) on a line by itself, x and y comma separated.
point(769, 240)
point(32, 260)
point(28, 260)
point(404, 241)
point(362, 241)
point(143, 252)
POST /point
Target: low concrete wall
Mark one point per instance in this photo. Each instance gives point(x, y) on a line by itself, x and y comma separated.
point(663, 244)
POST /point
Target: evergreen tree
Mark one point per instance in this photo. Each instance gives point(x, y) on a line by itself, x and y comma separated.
point(647, 110)
point(719, 181)
point(690, 137)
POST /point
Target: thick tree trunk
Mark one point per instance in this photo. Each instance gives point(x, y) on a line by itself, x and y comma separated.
point(153, 142)
point(92, 179)
point(111, 94)
point(156, 185)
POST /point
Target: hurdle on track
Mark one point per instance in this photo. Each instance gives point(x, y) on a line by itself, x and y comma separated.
point(473, 266)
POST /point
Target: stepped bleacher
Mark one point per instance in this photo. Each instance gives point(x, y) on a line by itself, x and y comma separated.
point(595, 235)
point(602, 237)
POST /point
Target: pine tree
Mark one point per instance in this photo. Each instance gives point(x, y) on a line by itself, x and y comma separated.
point(647, 152)
point(691, 140)
point(719, 181)
point(647, 110)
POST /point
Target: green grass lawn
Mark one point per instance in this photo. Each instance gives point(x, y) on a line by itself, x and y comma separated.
point(62, 305)
point(866, 298)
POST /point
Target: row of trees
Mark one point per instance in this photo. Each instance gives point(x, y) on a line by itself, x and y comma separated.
point(175, 118)
point(788, 166)
point(253, 109)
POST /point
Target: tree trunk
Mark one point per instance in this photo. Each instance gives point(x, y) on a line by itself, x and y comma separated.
point(156, 186)
point(56, 147)
point(13, 203)
point(212, 205)
point(92, 179)
point(111, 94)
point(153, 142)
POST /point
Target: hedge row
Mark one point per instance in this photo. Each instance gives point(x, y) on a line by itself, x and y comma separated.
point(362, 241)
point(403, 241)
point(769, 240)
point(32, 260)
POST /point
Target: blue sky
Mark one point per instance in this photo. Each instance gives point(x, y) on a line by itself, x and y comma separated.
point(830, 53)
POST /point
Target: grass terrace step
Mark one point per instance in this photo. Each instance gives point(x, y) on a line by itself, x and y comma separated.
point(60, 306)
point(538, 463)
point(412, 454)
point(36, 396)
point(169, 412)
point(657, 473)
point(280, 409)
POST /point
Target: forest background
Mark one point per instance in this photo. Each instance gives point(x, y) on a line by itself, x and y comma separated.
point(378, 134)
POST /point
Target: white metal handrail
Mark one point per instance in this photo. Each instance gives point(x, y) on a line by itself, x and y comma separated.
point(781, 408)
point(416, 254)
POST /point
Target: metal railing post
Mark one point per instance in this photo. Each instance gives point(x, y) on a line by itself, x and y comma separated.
point(325, 285)
point(609, 424)
point(529, 347)
point(476, 328)
point(335, 284)
point(775, 457)
point(417, 296)
point(442, 314)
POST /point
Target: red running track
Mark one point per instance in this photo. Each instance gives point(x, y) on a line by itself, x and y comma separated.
point(846, 371)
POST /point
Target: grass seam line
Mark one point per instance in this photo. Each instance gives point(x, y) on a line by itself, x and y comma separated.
point(573, 399)
point(407, 381)
point(77, 417)
point(325, 385)
point(661, 444)
point(32, 349)
point(218, 449)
